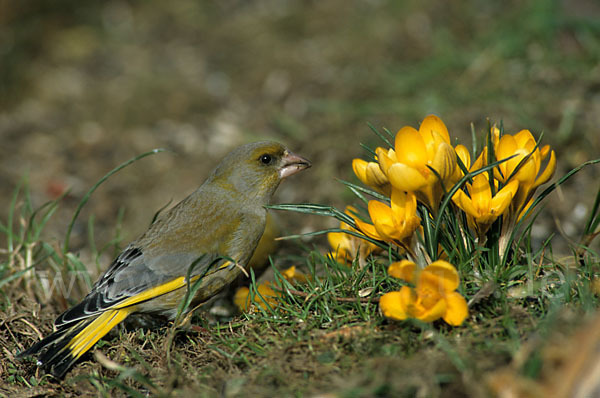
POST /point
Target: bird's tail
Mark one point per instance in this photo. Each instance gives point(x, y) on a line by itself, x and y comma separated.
point(61, 349)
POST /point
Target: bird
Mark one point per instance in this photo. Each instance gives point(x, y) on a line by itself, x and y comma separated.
point(207, 238)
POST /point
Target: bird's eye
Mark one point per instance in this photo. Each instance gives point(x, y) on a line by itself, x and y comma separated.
point(266, 158)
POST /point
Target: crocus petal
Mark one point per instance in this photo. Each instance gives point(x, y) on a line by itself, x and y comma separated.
point(527, 171)
point(444, 161)
point(241, 299)
point(404, 270)
point(352, 212)
point(548, 171)
point(410, 148)
point(481, 161)
point(503, 198)
point(460, 150)
point(522, 145)
point(346, 246)
point(292, 275)
point(380, 210)
point(405, 212)
point(507, 146)
point(374, 175)
point(433, 126)
point(404, 207)
point(433, 313)
point(369, 173)
point(368, 229)
point(524, 139)
point(465, 203)
point(521, 197)
point(544, 151)
point(495, 136)
point(438, 276)
point(525, 208)
point(400, 202)
point(359, 166)
point(265, 296)
point(463, 154)
point(481, 193)
point(337, 240)
point(406, 178)
point(386, 158)
point(396, 305)
point(265, 290)
point(381, 215)
point(456, 309)
point(289, 273)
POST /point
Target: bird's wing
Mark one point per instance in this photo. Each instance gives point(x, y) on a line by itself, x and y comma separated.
point(133, 279)
point(144, 271)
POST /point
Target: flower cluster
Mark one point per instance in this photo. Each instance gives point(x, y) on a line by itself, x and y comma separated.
point(423, 167)
point(420, 167)
point(422, 161)
point(514, 181)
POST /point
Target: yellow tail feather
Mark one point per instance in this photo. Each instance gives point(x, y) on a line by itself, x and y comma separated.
point(110, 318)
point(85, 339)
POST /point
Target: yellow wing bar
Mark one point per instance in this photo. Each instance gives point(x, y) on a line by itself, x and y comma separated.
point(165, 288)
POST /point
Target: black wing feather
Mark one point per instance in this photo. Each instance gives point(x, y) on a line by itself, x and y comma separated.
point(96, 300)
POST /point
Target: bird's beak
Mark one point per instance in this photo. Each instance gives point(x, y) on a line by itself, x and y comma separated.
point(291, 164)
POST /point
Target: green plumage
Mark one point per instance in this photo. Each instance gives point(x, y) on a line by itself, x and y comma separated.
point(223, 219)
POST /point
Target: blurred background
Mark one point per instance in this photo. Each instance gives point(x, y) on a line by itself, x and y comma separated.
point(85, 86)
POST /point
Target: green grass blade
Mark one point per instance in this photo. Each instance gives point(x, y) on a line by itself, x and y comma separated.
point(11, 214)
point(473, 141)
point(371, 152)
point(594, 220)
point(14, 276)
point(368, 191)
point(316, 209)
point(89, 193)
point(381, 136)
point(380, 244)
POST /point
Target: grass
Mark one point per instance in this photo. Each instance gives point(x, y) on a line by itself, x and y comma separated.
point(326, 334)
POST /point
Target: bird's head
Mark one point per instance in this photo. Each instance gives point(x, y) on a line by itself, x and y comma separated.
point(255, 170)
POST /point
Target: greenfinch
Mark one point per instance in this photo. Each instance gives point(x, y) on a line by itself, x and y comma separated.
point(267, 245)
point(208, 237)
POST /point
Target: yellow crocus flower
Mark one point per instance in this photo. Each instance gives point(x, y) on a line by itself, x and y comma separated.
point(242, 301)
point(369, 173)
point(522, 144)
point(267, 296)
point(408, 166)
point(463, 154)
point(530, 175)
point(392, 223)
point(346, 247)
point(433, 297)
point(480, 206)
